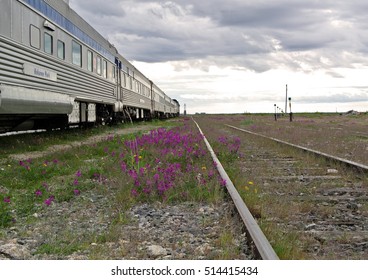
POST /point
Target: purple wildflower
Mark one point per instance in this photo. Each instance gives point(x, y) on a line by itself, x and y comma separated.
point(123, 167)
point(133, 174)
point(38, 192)
point(49, 200)
point(76, 192)
point(7, 199)
point(147, 190)
point(75, 183)
point(210, 174)
point(78, 174)
point(45, 185)
point(156, 177)
point(136, 158)
point(137, 183)
point(134, 192)
point(223, 182)
point(222, 140)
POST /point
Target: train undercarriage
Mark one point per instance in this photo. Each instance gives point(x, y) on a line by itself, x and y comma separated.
point(83, 114)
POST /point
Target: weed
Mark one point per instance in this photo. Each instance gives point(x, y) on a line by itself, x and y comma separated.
point(166, 165)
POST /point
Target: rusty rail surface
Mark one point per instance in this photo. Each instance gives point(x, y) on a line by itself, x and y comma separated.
point(263, 246)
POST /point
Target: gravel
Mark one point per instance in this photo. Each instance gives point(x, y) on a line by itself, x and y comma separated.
point(88, 228)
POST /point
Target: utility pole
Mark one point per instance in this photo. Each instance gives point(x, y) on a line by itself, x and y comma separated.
point(286, 100)
point(291, 114)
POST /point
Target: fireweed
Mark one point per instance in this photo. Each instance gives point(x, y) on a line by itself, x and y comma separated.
point(227, 148)
point(169, 165)
point(163, 164)
point(6, 218)
point(31, 186)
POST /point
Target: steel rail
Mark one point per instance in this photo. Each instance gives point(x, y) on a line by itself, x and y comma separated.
point(331, 157)
point(263, 246)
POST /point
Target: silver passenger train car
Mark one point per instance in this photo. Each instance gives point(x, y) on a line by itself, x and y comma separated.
point(57, 70)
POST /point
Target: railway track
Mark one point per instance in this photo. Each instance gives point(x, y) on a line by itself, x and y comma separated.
point(263, 247)
point(322, 202)
point(353, 164)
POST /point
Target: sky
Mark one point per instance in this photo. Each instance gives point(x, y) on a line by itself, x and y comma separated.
point(237, 56)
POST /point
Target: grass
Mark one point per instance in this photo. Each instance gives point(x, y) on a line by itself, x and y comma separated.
point(40, 141)
point(272, 203)
point(287, 244)
point(229, 249)
point(58, 247)
point(166, 165)
point(333, 134)
point(169, 165)
point(247, 122)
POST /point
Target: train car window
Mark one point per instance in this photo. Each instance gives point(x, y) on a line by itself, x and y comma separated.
point(113, 72)
point(35, 37)
point(125, 81)
point(99, 65)
point(90, 61)
point(104, 69)
point(48, 42)
point(61, 49)
point(55, 16)
point(77, 53)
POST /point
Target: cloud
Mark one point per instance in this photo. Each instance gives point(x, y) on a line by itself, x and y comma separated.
point(99, 9)
point(249, 34)
point(346, 97)
point(252, 36)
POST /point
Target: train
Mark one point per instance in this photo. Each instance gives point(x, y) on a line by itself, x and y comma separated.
point(56, 71)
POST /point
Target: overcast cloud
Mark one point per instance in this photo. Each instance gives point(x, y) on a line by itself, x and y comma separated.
point(242, 52)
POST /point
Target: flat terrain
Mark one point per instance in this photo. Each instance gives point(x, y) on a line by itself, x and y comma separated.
point(307, 206)
point(345, 136)
point(95, 195)
point(132, 192)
